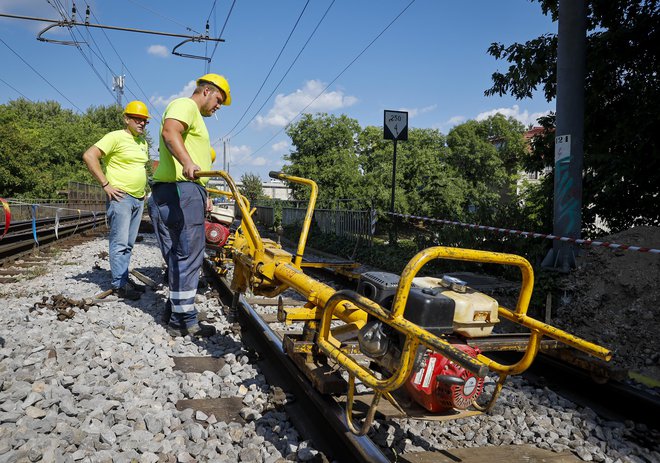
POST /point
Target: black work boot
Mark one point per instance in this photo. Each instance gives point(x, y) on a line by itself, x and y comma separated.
point(136, 286)
point(126, 292)
point(198, 330)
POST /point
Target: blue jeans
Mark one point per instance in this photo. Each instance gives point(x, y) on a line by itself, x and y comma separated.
point(177, 212)
point(124, 219)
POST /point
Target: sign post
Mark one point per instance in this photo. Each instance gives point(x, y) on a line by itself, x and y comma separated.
point(395, 128)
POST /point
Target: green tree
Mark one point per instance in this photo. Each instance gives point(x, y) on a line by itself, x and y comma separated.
point(41, 146)
point(622, 94)
point(324, 150)
point(251, 187)
point(487, 155)
point(425, 184)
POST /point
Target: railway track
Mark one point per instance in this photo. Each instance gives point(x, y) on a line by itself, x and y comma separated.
point(321, 417)
point(586, 383)
point(25, 237)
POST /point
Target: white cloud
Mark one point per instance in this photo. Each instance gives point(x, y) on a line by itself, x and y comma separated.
point(164, 101)
point(259, 161)
point(288, 106)
point(412, 112)
point(525, 117)
point(449, 123)
point(280, 146)
point(159, 50)
point(239, 154)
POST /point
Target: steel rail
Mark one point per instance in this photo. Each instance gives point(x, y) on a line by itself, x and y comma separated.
point(354, 448)
point(24, 243)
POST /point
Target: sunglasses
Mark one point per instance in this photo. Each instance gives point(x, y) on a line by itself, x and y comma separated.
point(139, 120)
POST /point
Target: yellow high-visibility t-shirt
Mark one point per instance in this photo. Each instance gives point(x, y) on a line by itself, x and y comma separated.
point(125, 158)
point(195, 139)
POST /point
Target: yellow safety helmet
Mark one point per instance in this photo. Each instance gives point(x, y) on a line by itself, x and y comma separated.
point(212, 155)
point(137, 108)
point(220, 82)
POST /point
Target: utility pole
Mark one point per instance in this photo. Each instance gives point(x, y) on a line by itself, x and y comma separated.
point(118, 86)
point(569, 140)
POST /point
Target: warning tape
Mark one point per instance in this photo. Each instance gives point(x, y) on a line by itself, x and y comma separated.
point(5, 206)
point(526, 234)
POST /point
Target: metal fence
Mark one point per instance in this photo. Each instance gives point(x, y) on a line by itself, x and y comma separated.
point(79, 197)
point(345, 223)
point(265, 215)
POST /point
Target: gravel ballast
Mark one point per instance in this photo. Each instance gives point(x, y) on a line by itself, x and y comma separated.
point(100, 386)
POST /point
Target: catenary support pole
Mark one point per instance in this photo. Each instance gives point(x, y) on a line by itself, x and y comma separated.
point(569, 142)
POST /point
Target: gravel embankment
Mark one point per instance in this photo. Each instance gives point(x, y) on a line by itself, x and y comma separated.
point(100, 387)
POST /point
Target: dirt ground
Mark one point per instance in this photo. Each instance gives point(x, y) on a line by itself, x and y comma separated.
point(613, 298)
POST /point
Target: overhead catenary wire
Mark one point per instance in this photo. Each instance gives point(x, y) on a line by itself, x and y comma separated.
point(287, 71)
point(188, 28)
point(222, 31)
point(40, 75)
point(271, 69)
point(332, 82)
point(129, 72)
point(16, 90)
point(60, 9)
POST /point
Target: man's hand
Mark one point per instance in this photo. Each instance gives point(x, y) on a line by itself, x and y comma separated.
point(209, 205)
point(113, 193)
point(190, 169)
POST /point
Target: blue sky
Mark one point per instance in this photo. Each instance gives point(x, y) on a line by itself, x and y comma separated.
point(431, 62)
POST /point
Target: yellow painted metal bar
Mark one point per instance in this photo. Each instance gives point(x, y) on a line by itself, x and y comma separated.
point(308, 215)
point(470, 255)
point(519, 315)
point(414, 336)
point(318, 293)
point(560, 335)
point(521, 365)
point(241, 202)
point(228, 194)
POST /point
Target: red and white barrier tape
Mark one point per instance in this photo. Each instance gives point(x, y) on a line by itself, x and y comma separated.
point(526, 234)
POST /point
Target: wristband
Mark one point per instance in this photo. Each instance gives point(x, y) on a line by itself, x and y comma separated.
point(107, 183)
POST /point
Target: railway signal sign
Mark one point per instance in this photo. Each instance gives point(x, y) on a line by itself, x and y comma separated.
point(395, 126)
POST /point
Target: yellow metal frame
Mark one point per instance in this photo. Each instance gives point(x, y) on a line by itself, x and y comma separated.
point(266, 269)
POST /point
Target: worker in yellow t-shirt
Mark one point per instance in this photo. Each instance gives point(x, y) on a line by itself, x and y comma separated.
point(179, 200)
point(125, 154)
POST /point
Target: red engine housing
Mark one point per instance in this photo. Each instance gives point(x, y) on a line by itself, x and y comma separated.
point(427, 388)
point(216, 234)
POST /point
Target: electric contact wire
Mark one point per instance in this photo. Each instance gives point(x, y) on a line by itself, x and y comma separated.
point(287, 71)
point(60, 9)
point(129, 71)
point(222, 31)
point(42, 77)
point(17, 91)
point(188, 28)
point(270, 71)
point(333, 81)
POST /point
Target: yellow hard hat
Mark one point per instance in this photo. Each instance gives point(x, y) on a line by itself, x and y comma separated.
point(212, 155)
point(137, 108)
point(220, 82)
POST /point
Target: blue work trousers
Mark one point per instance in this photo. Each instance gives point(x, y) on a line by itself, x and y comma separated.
point(177, 211)
point(124, 218)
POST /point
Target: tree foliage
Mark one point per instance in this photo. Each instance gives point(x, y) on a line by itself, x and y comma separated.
point(622, 94)
point(251, 187)
point(325, 150)
point(41, 145)
point(475, 166)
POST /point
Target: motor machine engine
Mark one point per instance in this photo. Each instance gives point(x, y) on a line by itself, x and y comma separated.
point(445, 307)
point(216, 227)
